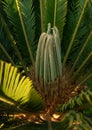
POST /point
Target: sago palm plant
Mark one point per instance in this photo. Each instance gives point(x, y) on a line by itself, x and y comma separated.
point(45, 64)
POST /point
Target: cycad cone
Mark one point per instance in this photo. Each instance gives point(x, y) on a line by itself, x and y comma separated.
point(48, 59)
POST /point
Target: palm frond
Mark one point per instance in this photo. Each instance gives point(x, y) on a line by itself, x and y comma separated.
point(82, 49)
point(5, 47)
point(83, 32)
point(8, 38)
point(60, 11)
point(82, 65)
point(83, 60)
point(74, 120)
point(86, 78)
point(77, 52)
point(18, 90)
point(54, 13)
point(75, 32)
point(6, 53)
point(22, 12)
point(74, 11)
point(83, 100)
point(71, 20)
point(22, 21)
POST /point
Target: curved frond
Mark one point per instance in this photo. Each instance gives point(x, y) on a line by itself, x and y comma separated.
point(17, 90)
point(83, 100)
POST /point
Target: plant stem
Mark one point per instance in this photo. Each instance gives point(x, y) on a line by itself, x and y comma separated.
point(49, 122)
point(55, 6)
point(41, 13)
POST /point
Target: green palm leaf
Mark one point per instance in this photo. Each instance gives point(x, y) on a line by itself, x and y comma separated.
point(71, 20)
point(77, 39)
point(75, 31)
point(5, 47)
point(22, 21)
point(83, 100)
point(6, 53)
point(54, 13)
point(82, 49)
point(17, 90)
point(8, 41)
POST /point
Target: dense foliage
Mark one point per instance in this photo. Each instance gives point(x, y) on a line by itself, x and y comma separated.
point(46, 69)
